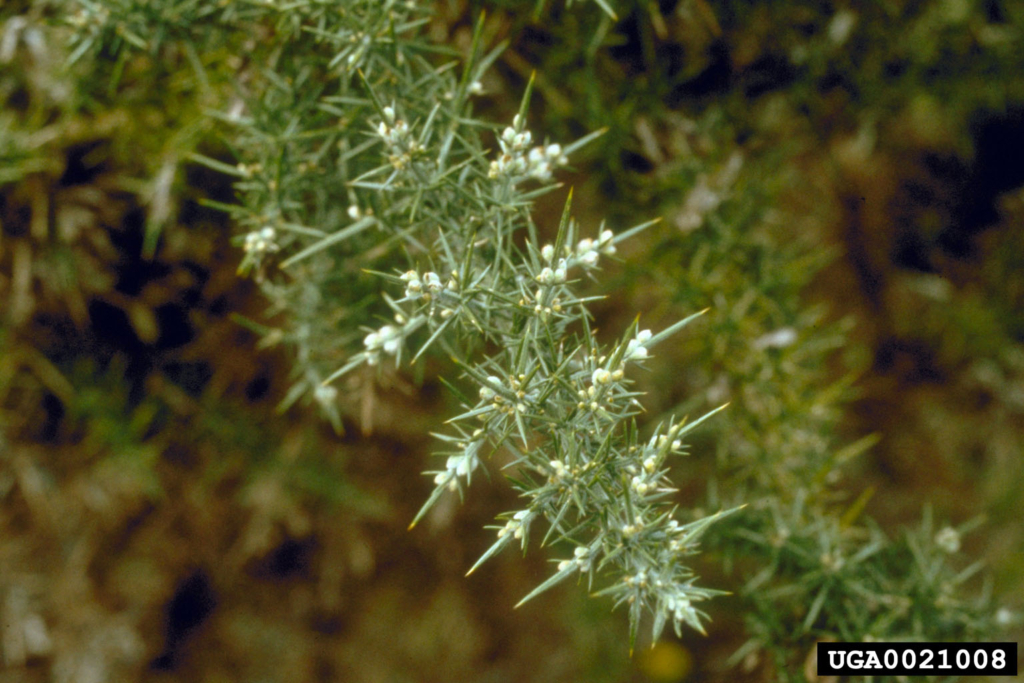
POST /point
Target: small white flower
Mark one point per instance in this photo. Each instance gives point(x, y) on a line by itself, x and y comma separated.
point(389, 115)
point(354, 213)
point(601, 376)
point(475, 88)
point(547, 253)
point(325, 395)
point(585, 246)
point(413, 287)
point(433, 282)
point(605, 242)
point(546, 276)
point(948, 539)
point(636, 350)
point(388, 338)
point(779, 339)
point(590, 259)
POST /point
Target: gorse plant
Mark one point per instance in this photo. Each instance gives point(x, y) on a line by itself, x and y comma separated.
point(814, 564)
point(360, 166)
point(346, 104)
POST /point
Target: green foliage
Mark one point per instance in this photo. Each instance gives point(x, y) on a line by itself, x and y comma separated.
point(361, 111)
point(359, 165)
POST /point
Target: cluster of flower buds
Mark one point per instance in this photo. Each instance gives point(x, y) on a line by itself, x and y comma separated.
point(515, 161)
point(459, 466)
point(638, 580)
point(680, 607)
point(641, 484)
point(492, 391)
point(401, 145)
point(588, 251)
point(581, 560)
point(487, 393)
point(559, 471)
point(948, 539)
point(427, 285)
point(629, 530)
point(636, 350)
point(260, 242)
point(517, 526)
point(549, 276)
point(387, 339)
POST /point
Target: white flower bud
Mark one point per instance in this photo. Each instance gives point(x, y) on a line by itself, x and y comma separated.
point(325, 395)
point(948, 539)
point(432, 281)
point(547, 253)
point(589, 259)
point(601, 376)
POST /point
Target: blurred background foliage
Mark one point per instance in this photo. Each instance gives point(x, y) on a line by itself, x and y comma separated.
point(843, 185)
